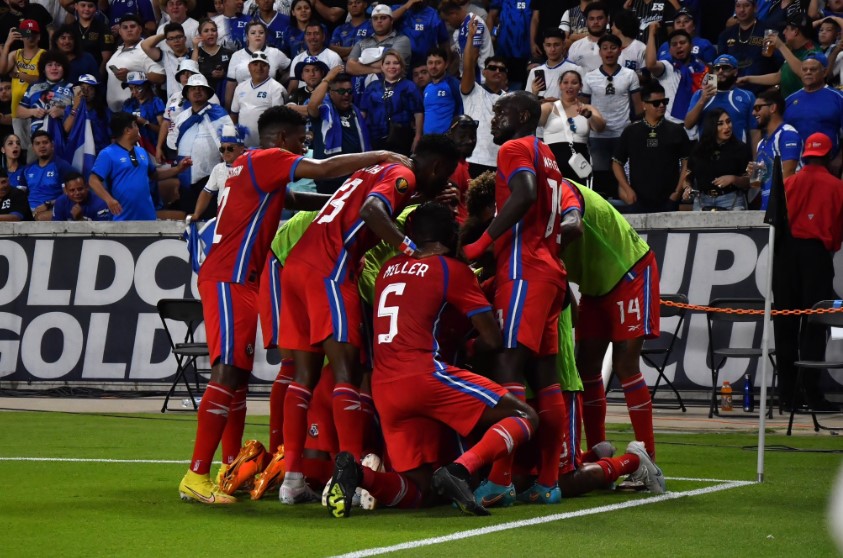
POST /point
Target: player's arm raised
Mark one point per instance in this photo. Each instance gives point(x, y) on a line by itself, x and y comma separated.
point(305, 201)
point(523, 187)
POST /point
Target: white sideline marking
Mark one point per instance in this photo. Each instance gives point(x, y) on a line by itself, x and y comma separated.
point(726, 485)
point(98, 460)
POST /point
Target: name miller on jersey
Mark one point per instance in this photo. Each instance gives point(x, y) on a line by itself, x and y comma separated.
point(406, 268)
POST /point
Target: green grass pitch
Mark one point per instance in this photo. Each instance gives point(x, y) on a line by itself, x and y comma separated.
point(95, 508)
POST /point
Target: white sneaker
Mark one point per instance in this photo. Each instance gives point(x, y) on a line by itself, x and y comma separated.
point(366, 500)
point(648, 473)
point(295, 490)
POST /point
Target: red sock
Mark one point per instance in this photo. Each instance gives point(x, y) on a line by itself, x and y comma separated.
point(594, 410)
point(501, 472)
point(211, 418)
point(367, 407)
point(317, 471)
point(499, 441)
point(640, 406)
point(348, 418)
point(296, 404)
point(232, 436)
point(393, 490)
point(551, 433)
point(276, 403)
point(616, 467)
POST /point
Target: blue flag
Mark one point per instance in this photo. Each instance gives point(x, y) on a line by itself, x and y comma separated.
point(79, 147)
point(199, 241)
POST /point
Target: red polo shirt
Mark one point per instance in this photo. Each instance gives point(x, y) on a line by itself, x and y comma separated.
point(815, 206)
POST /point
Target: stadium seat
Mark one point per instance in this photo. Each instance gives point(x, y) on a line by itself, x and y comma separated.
point(816, 366)
point(188, 312)
point(657, 352)
point(718, 342)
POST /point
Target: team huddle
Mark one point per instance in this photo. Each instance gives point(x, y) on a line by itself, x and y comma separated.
point(409, 378)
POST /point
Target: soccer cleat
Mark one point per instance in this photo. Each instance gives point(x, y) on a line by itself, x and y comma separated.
point(199, 488)
point(220, 474)
point(271, 477)
point(344, 482)
point(365, 499)
point(296, 491)
point(489, 494)
point(604, 449)
point(355, 500)
point(540, 494)
point(648, 473)
point(456, 489)
point(251, 460)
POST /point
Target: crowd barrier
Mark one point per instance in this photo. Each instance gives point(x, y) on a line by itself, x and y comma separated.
point(77, 300)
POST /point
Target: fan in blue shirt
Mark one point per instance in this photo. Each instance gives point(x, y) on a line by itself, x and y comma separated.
point(78, 203)
point(45, 176)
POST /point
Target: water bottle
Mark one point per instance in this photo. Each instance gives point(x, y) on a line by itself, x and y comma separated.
point(726, 397)
point(748, 396)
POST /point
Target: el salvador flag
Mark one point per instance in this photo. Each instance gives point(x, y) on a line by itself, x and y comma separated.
point(79, 146)
point(199, 242)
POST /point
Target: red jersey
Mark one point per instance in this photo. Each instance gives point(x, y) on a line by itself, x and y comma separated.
point(529, 249)
point(461, 178)
point(250, 207)
point(815, 206)
point(337, 239)
point(410, 298)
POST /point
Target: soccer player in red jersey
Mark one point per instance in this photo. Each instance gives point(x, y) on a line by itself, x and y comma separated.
point(320, 309)
point(416, 393)
point(529, 286)
point(250, 207)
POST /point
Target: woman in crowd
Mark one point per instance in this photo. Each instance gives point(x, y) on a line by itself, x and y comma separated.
point(301, 12)
point(11, 162)
point(46, 100)
point(66, 40)
point(717, 179)
point(213, 59)
point(392, 106)
point(238, 68)
point(567, 124)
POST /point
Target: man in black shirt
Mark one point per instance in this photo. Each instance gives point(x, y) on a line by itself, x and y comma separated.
point(20, 10)
point(95, 33)
point(657, 151)
point(13, 203)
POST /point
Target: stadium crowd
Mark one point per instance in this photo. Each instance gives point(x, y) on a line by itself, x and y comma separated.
point(379, 76)
point(410, 120)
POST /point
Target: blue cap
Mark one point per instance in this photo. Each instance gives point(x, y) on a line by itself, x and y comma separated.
point(819, 57)
point(230, 134)
point(726, 60)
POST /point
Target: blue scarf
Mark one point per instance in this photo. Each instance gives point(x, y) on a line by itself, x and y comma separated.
point(332, 129)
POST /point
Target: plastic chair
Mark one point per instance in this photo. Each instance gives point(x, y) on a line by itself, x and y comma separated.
point(189, 312)
point(717, 356)
point(829, 320)
point(657, 353)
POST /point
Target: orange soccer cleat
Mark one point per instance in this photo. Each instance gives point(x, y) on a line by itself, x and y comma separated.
point(271, 477)
point(249, 462)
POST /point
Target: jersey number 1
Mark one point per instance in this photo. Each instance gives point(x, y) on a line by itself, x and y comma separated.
point(390, 312)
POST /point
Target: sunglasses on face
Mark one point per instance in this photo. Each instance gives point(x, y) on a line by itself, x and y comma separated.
point(723, 68)
point(658, 102)
point(757, 108)
point(501, 69)
point(227, 148)
point(343, 91)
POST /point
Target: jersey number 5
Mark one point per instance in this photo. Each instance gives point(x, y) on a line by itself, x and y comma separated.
point(390, 312)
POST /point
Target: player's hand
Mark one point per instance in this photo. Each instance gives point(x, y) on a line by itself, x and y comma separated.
point(450, 196)
point(391, 157)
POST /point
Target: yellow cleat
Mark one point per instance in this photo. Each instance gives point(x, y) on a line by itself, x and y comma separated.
point(199, 488)
point(271, 477)
point(251, 459)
